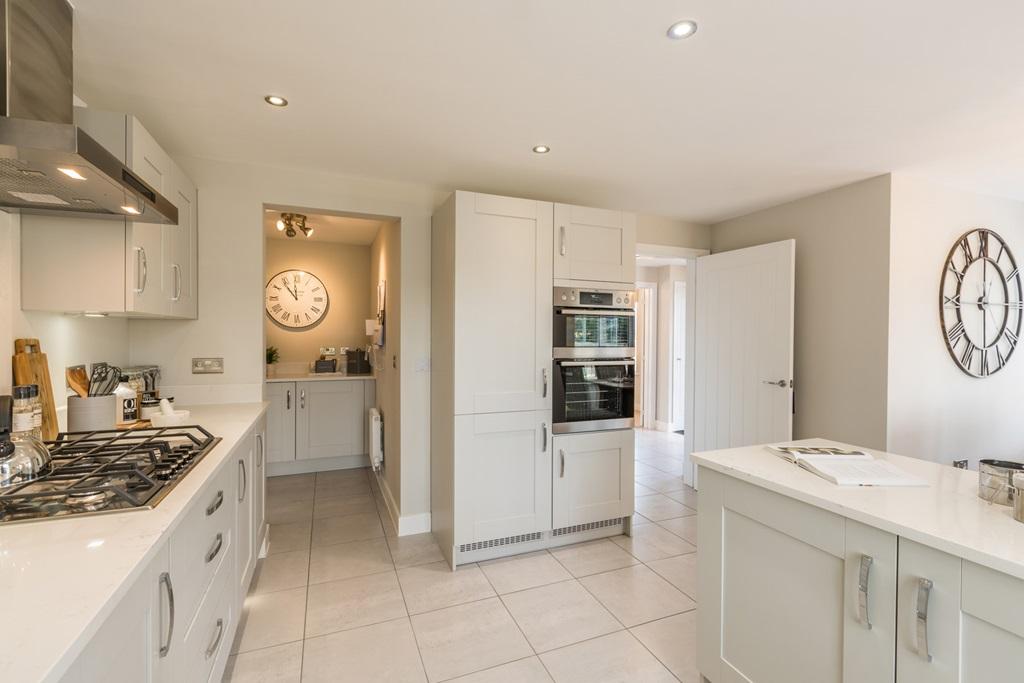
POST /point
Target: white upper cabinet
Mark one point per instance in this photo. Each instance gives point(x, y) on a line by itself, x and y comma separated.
point(502, 310)
point(596, 245)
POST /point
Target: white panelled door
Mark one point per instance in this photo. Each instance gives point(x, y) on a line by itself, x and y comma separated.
point(743, 347)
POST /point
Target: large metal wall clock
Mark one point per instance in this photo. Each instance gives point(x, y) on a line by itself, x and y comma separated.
point(981, 303)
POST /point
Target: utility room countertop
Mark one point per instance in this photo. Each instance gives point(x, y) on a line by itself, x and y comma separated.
point(317, 377)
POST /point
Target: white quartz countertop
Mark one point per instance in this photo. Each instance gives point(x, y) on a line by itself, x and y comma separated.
point(318, 377)
point(60, 578)
point(947, 514)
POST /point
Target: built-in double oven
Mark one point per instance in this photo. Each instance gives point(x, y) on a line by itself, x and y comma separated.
point(594, 350)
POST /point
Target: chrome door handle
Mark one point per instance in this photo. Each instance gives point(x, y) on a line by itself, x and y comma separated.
point(215, 505)
point(780, 383)
point(215, 548)
point(862, 590)
point(165, 581)
point(544, 379)
point(561, 472)
point(561, 238)
point(288, 400)
point(544, 441)
point(259, 450)
point(216, 641)
point(245, 481)
point(924, 591)
point(302, 399)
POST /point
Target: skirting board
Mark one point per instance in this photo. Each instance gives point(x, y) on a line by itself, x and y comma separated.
point(347, 462)
point(407, 525)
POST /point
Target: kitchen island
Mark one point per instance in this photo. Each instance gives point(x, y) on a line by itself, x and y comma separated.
point(79, 593)
point(808, 581)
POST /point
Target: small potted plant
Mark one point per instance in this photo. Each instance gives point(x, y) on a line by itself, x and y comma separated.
point(273, 356)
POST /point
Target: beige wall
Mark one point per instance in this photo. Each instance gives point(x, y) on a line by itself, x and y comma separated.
point(345, 271)
point(936, 411)
point(651, 229)
point(842, 304)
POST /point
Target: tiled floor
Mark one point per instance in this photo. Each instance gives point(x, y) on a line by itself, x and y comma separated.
point(339, 600)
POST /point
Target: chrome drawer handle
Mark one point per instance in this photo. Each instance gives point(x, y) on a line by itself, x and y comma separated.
point(165, 581)
point(862, 590)
point(215, 548)
point(216, 641)
point(215, 505)
point(288, 400)
point(561, 453)
point(245, 481)
point(924, 591)
point(259, 450)
point(302, 399)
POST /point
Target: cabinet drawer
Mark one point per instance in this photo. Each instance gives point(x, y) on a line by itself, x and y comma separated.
point(200, 544)
point(210, 635)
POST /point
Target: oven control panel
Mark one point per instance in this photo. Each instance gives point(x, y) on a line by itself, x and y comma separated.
point(593, 298)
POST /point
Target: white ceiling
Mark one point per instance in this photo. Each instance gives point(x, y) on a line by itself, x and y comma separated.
point(768, 101)
point(326, 228)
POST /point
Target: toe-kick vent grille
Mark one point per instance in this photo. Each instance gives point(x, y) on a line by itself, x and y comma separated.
point(497, 542)
point(587, 527)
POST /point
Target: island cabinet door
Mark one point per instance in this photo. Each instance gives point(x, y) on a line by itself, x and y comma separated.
point(778, 570)
point(991, 625)
point(869, 622)
point(928, 616)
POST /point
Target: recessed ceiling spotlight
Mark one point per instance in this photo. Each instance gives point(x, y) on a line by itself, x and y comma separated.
point(276, 101)
point(682, 29)
point(541, 149)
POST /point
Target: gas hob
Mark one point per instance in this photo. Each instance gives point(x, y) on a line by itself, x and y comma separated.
point(107, 471)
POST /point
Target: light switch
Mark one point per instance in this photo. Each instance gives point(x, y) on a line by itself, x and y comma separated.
point(207, 366)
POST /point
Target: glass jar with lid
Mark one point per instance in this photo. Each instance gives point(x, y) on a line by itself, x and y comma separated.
point(23, 418)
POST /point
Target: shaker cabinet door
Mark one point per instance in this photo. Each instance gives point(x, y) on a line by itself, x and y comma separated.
point(928, 615)
point(330, 419)
point(280, 421)
point(592, 477)
point(594, 244)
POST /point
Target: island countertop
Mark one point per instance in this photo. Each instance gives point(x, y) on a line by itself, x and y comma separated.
point(61, 578)
point(946, 515)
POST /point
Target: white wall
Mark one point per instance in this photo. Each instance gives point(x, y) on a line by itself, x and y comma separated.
point(66, 340)
point(935, 411)
point(842, 304)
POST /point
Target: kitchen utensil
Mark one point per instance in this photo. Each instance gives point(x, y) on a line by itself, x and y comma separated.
point(1018, 497)
point(31, 367)
point(178, 417)
point(78, 380)
point(91, 413)
point(99, 371)
point(995, 480)
point(105, 379)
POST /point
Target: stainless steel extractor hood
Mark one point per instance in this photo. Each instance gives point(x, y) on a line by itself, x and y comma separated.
point(47, 164)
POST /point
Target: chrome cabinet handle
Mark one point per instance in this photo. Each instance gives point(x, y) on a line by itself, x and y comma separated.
point(302, 399)
point(288, 400)
point(259, 450)
point(544, 379)
point(561, 453)
point(544, 432)
point(245, 481)
point(215, 505)
point(862, 590)
point(215, 548)
point(177, 282)
point(140, 270)
point(924, 591)
point(165, 582)
point(145, 269)
point(216, 641)
point(779, 383)
point(561, 238)
point(594, 363)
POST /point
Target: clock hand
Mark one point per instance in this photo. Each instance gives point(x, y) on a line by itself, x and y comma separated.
point(290, 291)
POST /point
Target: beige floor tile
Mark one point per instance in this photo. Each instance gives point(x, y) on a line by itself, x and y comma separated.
point(341, 476)
point(343, 505)
point(284, 538)
point(432, 586)
point(467, 638)
point(615, 658)
point(641, 490)
point(559, 614)
point(529, 670)
point(336, 484)
point(687, 497)
point(673, 640)
point(361, 601)
point(271, 619)
point(281, 571)
point(290, 488)
point(283, 512)
point(661, 482)
point(636, 595)
point(382, 652)
point(279, 664)
point(680, 571)
point(331, 530)
point(517, 573)
point(346, 560)
point(642, 469)
point(639, 519)
point(408, 551)
point(592, 557)
point(659, 507)
point(683, 527)
point(651, 542)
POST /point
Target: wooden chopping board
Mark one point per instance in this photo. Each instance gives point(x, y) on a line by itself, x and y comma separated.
point(31, 367)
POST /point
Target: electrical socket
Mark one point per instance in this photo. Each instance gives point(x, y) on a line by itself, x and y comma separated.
point(207, 366)
point(328, 351)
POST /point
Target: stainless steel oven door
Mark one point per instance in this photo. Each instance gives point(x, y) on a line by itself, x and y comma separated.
point(593, 395)
point(594, 333)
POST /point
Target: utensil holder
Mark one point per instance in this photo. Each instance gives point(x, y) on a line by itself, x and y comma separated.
point(1018, 498)
point(90, 413)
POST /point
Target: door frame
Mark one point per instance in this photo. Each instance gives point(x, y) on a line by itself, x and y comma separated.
point(650, 354)
point(676, 424)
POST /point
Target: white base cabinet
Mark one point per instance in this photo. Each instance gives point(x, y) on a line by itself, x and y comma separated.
point(592, 477)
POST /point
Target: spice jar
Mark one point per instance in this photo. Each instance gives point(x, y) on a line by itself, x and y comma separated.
point(23, 419)
point(37, 408)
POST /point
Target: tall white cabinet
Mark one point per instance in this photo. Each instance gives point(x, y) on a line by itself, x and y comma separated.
point(594, 244)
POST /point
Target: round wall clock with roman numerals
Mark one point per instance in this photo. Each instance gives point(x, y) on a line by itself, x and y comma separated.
point(296, 299)
point(981, 303)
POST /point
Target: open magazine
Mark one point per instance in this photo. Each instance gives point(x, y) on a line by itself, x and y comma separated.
point(846, 467)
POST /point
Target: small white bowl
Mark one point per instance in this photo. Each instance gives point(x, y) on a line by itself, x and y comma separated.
point(180, 417)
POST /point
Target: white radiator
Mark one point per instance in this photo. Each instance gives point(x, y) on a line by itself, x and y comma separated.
point(376, 439)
